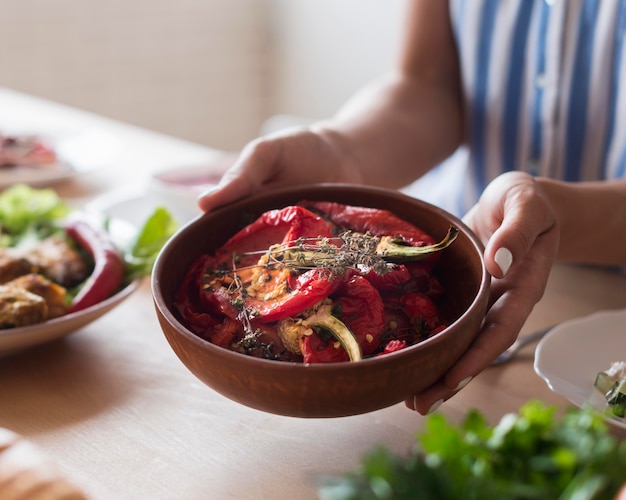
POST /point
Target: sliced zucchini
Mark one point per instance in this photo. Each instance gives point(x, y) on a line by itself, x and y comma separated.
point(338, 329)
point(605, 382)
point(614, 390)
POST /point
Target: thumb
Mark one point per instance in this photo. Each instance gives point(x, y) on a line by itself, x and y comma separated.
point(526, 216)
point(243, 178)
point(230, 188)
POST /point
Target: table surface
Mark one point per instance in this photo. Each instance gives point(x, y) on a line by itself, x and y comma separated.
point(114, 407)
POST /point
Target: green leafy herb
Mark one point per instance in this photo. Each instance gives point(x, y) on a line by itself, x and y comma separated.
point(27, 213)
point(147, 244)
point(529, 455)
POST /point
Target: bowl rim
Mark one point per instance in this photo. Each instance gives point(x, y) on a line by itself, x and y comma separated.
point(168, 314)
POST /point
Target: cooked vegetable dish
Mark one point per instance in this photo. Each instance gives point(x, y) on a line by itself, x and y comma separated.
point(317, 282)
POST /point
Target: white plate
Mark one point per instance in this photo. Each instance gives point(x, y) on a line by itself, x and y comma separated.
point(176, 189)
point(571, 355)
point(17, 339)
point(78, 153)
point(134, 204)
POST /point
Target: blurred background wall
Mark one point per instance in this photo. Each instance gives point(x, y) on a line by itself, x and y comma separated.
point(210, 71)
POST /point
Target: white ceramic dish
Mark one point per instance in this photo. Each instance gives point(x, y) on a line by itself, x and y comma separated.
point(176, 189)
point(571, 355)
point(134, 204)
point(78, 153)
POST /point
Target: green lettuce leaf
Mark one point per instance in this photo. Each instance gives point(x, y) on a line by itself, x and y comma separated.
point(145, 247)
point(26, 212)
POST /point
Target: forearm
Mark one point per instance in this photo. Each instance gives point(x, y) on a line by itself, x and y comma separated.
point(402, 125)
point(592, 220)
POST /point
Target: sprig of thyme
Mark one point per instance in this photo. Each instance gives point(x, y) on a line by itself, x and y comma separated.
point(349, 250)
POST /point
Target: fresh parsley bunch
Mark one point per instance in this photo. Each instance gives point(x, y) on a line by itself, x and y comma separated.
point(530, 455)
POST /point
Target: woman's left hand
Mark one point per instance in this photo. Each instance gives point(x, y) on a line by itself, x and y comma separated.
point(517, 223)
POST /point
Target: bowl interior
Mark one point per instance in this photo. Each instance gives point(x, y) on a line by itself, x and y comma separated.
point(460, 270)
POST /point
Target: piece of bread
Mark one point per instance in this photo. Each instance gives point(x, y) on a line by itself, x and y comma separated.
point(27, 474)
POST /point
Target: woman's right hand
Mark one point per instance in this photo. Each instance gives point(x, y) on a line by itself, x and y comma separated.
point(302, 155)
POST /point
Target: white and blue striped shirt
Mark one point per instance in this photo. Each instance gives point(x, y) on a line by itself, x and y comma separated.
point(544, 83)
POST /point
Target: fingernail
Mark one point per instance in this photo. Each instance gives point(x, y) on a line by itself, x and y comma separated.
point(504, 259)
point(435, 406)
point(463, 383)
point(209, 191)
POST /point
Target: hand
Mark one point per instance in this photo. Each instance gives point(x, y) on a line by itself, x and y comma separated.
point(293, 157)
point(517, 223)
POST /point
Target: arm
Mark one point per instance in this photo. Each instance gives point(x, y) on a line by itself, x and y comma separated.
point(411, 119)
point(388, 134)
point(592, 217)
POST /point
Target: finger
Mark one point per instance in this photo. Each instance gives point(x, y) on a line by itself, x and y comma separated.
point(513, 298)
point(496, 335)
point(229, 189)
point(243, 178)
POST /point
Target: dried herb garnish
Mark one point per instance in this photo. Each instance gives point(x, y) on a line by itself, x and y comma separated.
point(349, 250)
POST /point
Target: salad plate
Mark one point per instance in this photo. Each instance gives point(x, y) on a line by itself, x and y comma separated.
point(574, 352)
point(77, 153)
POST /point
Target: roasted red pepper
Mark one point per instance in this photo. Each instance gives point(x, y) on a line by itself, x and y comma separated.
point(394, 346)
point(108, 271)
point(394, 279)
point(202, 313)
point(421, 311)
point(269, 294)
point(359, 305)
point(272, 227)
point(375, 221)
point(198, 315)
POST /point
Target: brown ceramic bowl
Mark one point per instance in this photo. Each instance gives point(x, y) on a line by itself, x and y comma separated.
point(334, 389)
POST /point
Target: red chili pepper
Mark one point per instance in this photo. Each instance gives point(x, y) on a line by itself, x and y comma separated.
point(108, 271)
point(360, 308)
